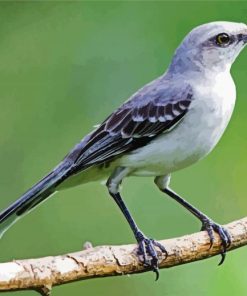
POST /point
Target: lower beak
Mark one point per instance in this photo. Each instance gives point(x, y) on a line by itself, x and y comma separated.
point(244, 38)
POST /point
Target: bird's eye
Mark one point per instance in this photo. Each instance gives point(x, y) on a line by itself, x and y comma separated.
point(222, 39)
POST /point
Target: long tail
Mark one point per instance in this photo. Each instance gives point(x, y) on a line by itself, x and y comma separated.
point(33, 197)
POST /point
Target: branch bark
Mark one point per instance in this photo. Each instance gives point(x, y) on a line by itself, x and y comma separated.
point(43, 273)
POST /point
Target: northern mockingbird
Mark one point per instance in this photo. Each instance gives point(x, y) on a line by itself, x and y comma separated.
point(167, 125)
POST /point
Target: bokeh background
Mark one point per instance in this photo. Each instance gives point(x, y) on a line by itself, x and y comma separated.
point(64, 66)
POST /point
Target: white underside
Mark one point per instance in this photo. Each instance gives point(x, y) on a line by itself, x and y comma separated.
point(192, 139)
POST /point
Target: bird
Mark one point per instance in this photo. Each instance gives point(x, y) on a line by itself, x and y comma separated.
point(167, 125)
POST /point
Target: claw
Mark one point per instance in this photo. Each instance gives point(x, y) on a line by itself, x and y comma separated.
point(223, 257)
point(209, 226)
point(146, 248)
point(156, 271)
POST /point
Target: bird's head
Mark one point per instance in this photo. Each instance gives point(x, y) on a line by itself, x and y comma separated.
point(213, 46)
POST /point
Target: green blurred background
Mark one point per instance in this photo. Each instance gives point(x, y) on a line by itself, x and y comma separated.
point(64, 66)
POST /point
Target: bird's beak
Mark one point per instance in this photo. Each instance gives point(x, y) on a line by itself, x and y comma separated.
point(243, 37)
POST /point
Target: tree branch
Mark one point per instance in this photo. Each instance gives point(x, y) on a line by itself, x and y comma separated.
point(43, 273)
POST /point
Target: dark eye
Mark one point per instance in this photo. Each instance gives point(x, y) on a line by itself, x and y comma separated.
point(223, 39)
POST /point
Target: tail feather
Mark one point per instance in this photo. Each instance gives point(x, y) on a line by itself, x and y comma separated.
point(32, 198)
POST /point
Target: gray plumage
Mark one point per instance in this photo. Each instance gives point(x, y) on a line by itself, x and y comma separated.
point(167, 125)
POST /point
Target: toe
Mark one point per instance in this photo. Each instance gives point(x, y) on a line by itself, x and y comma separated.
point(225, 240)
point(211, 236)
point(142, 252)
point(149, 254)
point(225, 237)
point(161, 247)
point(152, 253)
point(207, 226)
point(229, 239)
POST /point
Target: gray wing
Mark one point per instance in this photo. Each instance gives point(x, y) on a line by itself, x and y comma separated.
point(148, 113)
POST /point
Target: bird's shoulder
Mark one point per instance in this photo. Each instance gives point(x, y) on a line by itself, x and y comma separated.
point(155, 108)
point(157, 104)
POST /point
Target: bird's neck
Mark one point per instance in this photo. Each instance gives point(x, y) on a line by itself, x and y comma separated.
point(183, 64)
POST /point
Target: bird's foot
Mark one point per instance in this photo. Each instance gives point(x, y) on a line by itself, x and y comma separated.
point(148, 253)
point(210, 226)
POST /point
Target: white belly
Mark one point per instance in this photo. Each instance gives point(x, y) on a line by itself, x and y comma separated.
point(193, 138)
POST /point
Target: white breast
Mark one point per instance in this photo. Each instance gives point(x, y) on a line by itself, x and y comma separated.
point(195, 136)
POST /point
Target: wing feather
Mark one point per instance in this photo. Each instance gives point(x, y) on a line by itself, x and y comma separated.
point(134, 124)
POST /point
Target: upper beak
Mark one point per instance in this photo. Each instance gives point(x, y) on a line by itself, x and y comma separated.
point(243, 37)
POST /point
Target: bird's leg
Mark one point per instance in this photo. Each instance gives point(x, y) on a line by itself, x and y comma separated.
point(146, 246)
point(207, 224)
